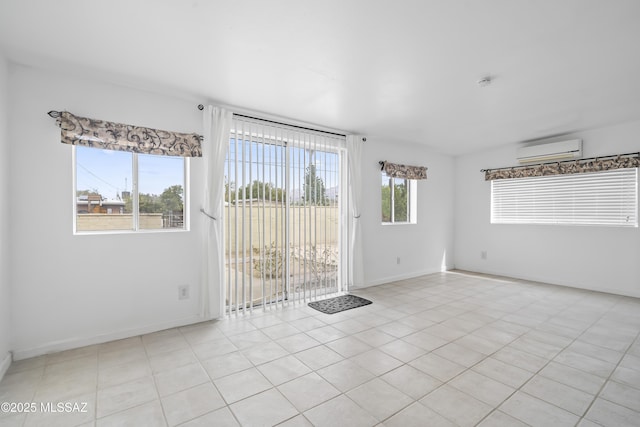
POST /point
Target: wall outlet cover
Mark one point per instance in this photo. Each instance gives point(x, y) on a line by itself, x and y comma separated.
point(183, 292)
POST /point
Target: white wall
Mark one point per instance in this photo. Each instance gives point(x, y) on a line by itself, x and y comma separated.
point(65, 294)
point(598, 258)
point(5, 294)
point(422, 246)
point(75, 290)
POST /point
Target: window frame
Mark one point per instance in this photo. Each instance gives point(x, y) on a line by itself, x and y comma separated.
point(528, 212)
point(186, 226)
point(412, 201)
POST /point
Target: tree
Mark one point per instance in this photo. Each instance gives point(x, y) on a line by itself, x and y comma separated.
point(149, 203)
point(259, 190)
point(92, 192)
point(278, 194)
point(314, 191)
point(400, 194)
point(400, 200)
point(229, 192)
point(386, 203)
point(128, 202)
point(171, 199)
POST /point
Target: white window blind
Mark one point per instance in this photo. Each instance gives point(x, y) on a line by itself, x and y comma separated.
point(601, 198)
point(282, 216)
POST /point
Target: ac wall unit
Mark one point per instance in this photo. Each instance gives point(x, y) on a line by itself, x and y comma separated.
point(563, 150)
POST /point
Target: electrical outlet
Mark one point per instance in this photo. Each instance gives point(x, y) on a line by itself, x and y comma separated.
point(483, 254)
point(398, 260)
point(183, 292)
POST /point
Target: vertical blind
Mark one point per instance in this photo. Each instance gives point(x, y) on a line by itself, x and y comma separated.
point(283, 204)
point(607, 198)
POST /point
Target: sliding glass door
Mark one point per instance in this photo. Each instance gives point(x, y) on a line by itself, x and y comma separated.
point(283, 205)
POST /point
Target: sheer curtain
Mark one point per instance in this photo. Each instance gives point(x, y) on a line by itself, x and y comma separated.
point(217, 124)
point(355, 144)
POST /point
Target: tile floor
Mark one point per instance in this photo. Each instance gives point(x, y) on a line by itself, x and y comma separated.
point(440, 350)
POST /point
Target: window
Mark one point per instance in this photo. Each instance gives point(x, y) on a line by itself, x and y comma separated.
point(398, 200)
point(123, 191)
point(598, 198)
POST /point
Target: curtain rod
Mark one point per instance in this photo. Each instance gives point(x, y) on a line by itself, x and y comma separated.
point(201, 107)
point(563, 161)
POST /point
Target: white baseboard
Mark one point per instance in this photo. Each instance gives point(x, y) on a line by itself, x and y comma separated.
point(404, 276)
point(4, 364)
point(77, 342)
point(552, 281)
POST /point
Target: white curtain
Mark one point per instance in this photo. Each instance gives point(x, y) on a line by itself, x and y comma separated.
point(355, 144)
point(217, 125)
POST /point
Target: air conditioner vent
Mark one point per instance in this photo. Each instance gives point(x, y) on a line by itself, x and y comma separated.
point(563, 150)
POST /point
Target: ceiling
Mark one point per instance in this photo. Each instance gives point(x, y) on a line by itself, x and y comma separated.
point(403, 70)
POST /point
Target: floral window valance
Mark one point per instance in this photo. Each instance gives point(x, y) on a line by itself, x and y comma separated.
point(106, 135)
point(596, 164)
point(395, 170)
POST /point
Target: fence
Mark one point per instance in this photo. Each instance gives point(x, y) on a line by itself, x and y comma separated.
point(319, 222)
point(146, 221)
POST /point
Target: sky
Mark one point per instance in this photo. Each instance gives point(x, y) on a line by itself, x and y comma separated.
point(110, 172)
point(254, 155)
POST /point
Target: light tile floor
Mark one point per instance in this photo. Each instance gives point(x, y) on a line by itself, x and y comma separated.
point(445, 349)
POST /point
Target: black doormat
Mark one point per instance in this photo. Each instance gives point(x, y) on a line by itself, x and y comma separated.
point(338, 304)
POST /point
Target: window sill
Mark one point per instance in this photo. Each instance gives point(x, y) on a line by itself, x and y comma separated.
point(130, 232)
